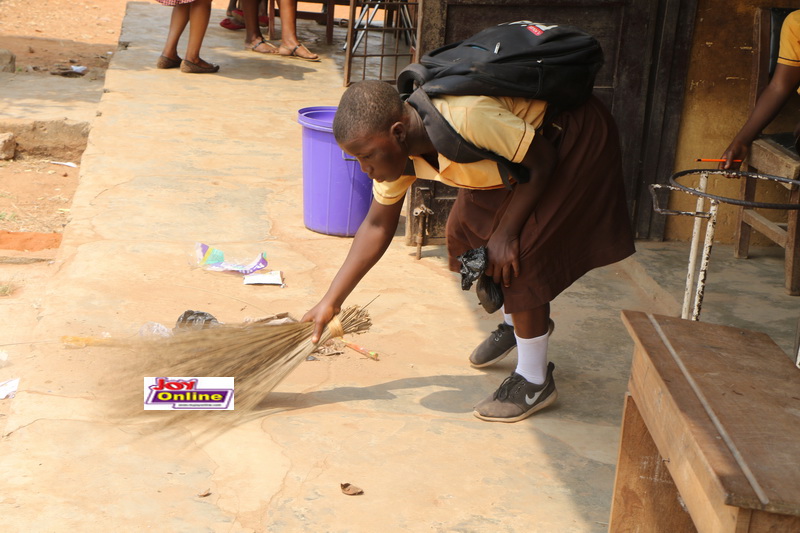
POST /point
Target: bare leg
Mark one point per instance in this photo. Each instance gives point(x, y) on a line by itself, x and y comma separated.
point(532, 323)
point(253, 37)
point(177, 23)
point(199, 15)
point(289, 43)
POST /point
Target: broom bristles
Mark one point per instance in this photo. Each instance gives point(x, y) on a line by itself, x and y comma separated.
point(257, 355)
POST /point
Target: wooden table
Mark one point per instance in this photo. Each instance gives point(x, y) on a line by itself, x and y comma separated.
point(711, 431)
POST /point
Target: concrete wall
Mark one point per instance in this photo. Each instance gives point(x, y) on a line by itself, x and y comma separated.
point(716, 105)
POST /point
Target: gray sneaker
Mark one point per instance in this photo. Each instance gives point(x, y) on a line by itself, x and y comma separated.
point(497, 345)
point(517, 398)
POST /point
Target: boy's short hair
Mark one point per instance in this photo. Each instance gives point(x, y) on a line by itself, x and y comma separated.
point(366, 107)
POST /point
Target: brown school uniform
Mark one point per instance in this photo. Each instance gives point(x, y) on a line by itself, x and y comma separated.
point(581, 220)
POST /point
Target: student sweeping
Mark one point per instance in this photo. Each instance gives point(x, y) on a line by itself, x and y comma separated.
point(569, 218)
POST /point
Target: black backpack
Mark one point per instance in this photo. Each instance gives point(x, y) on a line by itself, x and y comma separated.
point(548, 62)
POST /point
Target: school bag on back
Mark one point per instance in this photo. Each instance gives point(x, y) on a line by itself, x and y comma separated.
point(534, 60)
point(548, 62)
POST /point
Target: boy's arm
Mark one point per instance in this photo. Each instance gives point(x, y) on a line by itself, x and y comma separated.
point(783, 83)
point(503, 245)
point(369, 244)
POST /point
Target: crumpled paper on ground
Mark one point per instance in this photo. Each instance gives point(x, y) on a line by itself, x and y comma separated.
point(9, 388)
point(211, 258)
point(273, 277)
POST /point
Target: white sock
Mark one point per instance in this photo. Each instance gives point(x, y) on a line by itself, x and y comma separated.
point(506, 317)
point(532, 358)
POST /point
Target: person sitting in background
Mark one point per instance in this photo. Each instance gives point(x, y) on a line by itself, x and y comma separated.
point(784, 82)
point(196, 13)
point(290, 46)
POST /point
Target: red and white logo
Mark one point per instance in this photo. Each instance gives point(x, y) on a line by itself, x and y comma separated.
point(165, 393)
point(539, 29)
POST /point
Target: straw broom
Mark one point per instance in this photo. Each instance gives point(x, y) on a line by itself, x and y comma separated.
point(257, 355)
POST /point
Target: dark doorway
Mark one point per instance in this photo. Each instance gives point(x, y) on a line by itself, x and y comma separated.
point(646, 45)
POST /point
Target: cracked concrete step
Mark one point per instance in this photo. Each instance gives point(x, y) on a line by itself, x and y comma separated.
point(47, 113)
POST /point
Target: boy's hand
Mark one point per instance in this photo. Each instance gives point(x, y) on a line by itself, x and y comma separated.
point(503, 258)
point(320, 314)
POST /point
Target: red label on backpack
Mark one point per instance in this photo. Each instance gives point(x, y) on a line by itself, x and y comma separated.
point(535, 30)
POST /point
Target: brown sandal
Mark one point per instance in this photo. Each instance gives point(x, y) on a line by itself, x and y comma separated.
point(294, 55)
point(195, 68)
point(271, 48)
point(168, 62)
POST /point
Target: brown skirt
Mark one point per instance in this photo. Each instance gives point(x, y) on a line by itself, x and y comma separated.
point(581, 221)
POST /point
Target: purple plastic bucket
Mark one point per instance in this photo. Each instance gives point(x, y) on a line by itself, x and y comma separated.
point(336, 193)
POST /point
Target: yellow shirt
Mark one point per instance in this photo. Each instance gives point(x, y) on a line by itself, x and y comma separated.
point(789, 52)
point(503, 125)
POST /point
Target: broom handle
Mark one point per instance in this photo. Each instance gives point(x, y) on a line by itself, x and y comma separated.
point(81, 342)
point(333, 329)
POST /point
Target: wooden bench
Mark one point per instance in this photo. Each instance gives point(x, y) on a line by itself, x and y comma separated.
point(769, 157)
point(710, 437)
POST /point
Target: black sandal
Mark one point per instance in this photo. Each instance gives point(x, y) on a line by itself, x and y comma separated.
point(252, 47)
point(294, 55)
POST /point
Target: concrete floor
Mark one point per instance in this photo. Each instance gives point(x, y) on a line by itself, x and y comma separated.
point(174, 159)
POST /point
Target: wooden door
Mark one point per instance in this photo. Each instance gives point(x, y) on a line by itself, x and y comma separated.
point(645, 44)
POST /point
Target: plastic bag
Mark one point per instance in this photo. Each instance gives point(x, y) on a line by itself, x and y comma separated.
point(196, 320)
point(211, 258)
point(154, 330)
point(490, 294)
point(473, 265)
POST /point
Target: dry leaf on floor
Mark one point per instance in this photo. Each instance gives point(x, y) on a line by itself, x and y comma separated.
point(204, 494)
point(332, 347)
point(351, 490)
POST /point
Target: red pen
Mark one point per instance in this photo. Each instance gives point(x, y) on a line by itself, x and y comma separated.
point(717, 160)
point(362, 350)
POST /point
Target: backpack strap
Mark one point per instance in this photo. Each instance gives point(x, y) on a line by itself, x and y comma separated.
point(454, 147)
point(412, 76)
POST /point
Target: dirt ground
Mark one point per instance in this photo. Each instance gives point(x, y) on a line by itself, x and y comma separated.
point(35, 195)
point(48, 36)
point(48, 33)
